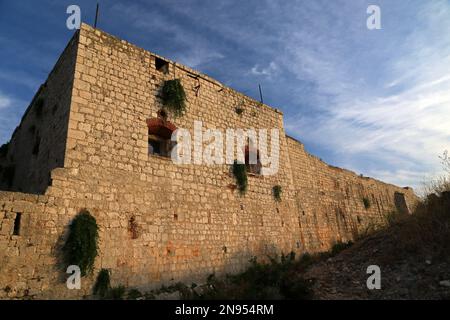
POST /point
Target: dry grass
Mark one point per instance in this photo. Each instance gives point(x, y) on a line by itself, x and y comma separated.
point(426, 232)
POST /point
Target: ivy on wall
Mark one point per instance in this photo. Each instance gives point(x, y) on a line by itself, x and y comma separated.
point(81, 245)
point(174, 97)
point(240, 174)
point(276, 191)
point(366, 203)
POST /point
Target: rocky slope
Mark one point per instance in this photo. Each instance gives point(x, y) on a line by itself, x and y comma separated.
point(413, 254)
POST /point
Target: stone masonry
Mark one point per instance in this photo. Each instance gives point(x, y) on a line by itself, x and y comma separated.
point(83, 144)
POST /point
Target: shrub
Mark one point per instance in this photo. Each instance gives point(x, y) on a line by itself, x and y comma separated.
point(4, 150)
point(240, 173)
point(306, 259)
point(116, 293)
point(103, 283)
point(294, 287)
point(366, 202)
point(392, 217)
point(340, 246)
point(134, 294)
point(81, 245)
point(174, 97)
point(425, 232)
point(277, 192)
point(277, 279)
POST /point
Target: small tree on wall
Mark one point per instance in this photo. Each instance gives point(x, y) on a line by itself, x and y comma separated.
point(103, 283)
point(240, 174)
point(174, 97)
point(366, 202)
point(80, 248)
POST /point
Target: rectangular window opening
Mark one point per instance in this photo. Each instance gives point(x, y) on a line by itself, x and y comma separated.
point(17, 221)
point(161, 65)
point(159, 146)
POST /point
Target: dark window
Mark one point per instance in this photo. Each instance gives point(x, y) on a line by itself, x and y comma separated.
point(16, 231)
point(159, 146)
point(252, 160)
point(159, 137)
point(161, 65)
point(154, 146)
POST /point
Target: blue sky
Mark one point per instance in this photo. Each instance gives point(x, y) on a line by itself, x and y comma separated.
point(373, 101)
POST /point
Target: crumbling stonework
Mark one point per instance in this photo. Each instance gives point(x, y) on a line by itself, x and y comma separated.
point(160, 222)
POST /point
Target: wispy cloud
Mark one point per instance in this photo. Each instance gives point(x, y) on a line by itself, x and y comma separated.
point(8, 116)
point(269, 71)
point(21, 78)
point(392, 129)
point(188, 46)
point(4, 101)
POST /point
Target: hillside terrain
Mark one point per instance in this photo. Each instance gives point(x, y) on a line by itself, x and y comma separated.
point(413, 256)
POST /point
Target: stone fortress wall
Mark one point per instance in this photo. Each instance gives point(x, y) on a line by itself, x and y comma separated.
point(160, 222)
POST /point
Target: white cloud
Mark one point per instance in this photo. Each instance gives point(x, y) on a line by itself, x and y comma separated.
point(5, 102)
point(269, 71)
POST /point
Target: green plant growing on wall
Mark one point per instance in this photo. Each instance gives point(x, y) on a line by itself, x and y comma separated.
point(277, 190)
point(240, 173)
point(4, 150)
point(103, 283)
point(174, 97)
point(81, 245)
point(366, 202)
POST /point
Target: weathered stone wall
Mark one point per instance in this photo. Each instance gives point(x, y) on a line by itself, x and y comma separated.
point(38, 143)
point(330, 200)
point(191, 222)
point(160, 222)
